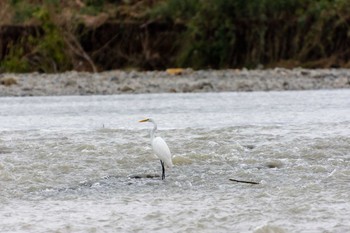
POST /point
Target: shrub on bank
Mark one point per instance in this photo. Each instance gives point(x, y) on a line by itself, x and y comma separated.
point(225, 33)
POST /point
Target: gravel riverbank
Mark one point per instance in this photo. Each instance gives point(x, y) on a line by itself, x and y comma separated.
point(117, 82)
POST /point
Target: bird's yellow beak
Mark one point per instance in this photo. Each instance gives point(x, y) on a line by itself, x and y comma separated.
point(144, 120)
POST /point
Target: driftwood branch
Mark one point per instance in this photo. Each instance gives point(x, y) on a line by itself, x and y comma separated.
point(75, 46)
point(244, 181)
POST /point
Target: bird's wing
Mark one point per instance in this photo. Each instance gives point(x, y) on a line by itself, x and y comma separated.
point(161, 149)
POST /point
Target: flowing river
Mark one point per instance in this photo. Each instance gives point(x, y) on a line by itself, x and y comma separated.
point(67, 163)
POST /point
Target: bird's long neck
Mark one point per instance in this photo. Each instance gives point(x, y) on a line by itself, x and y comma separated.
point(153, 130)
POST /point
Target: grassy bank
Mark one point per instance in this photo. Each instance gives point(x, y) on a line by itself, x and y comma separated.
point(197, 33)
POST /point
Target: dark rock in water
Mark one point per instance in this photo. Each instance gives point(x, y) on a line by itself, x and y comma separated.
point(143, 176)
point(250, 147)
point(274, 164)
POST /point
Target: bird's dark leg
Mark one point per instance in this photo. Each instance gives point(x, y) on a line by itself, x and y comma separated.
point(163, 170)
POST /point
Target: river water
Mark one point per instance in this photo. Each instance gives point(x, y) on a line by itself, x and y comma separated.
point(66, 163)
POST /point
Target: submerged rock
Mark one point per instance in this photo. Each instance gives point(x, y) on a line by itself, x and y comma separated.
point(274, 164)
point(144, 176)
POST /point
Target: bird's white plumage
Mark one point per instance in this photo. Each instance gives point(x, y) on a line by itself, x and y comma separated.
point(161, 149)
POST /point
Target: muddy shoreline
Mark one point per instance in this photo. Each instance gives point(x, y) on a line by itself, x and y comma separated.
point(118, 82)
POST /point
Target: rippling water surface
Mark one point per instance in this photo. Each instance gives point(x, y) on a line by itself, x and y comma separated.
point(66, 162)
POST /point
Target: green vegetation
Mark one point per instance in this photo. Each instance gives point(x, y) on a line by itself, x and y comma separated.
point(24, 11)
point(217, 34)
point(14, 61)
point(51, 48)
point(43, 53)
point(223, 33)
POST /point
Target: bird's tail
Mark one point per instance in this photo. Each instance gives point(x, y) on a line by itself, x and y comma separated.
point(169, 163)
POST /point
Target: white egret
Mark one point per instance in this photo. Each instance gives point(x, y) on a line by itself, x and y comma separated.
point(160, 148)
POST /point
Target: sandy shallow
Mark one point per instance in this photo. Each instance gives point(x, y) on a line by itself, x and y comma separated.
point(117, 82)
